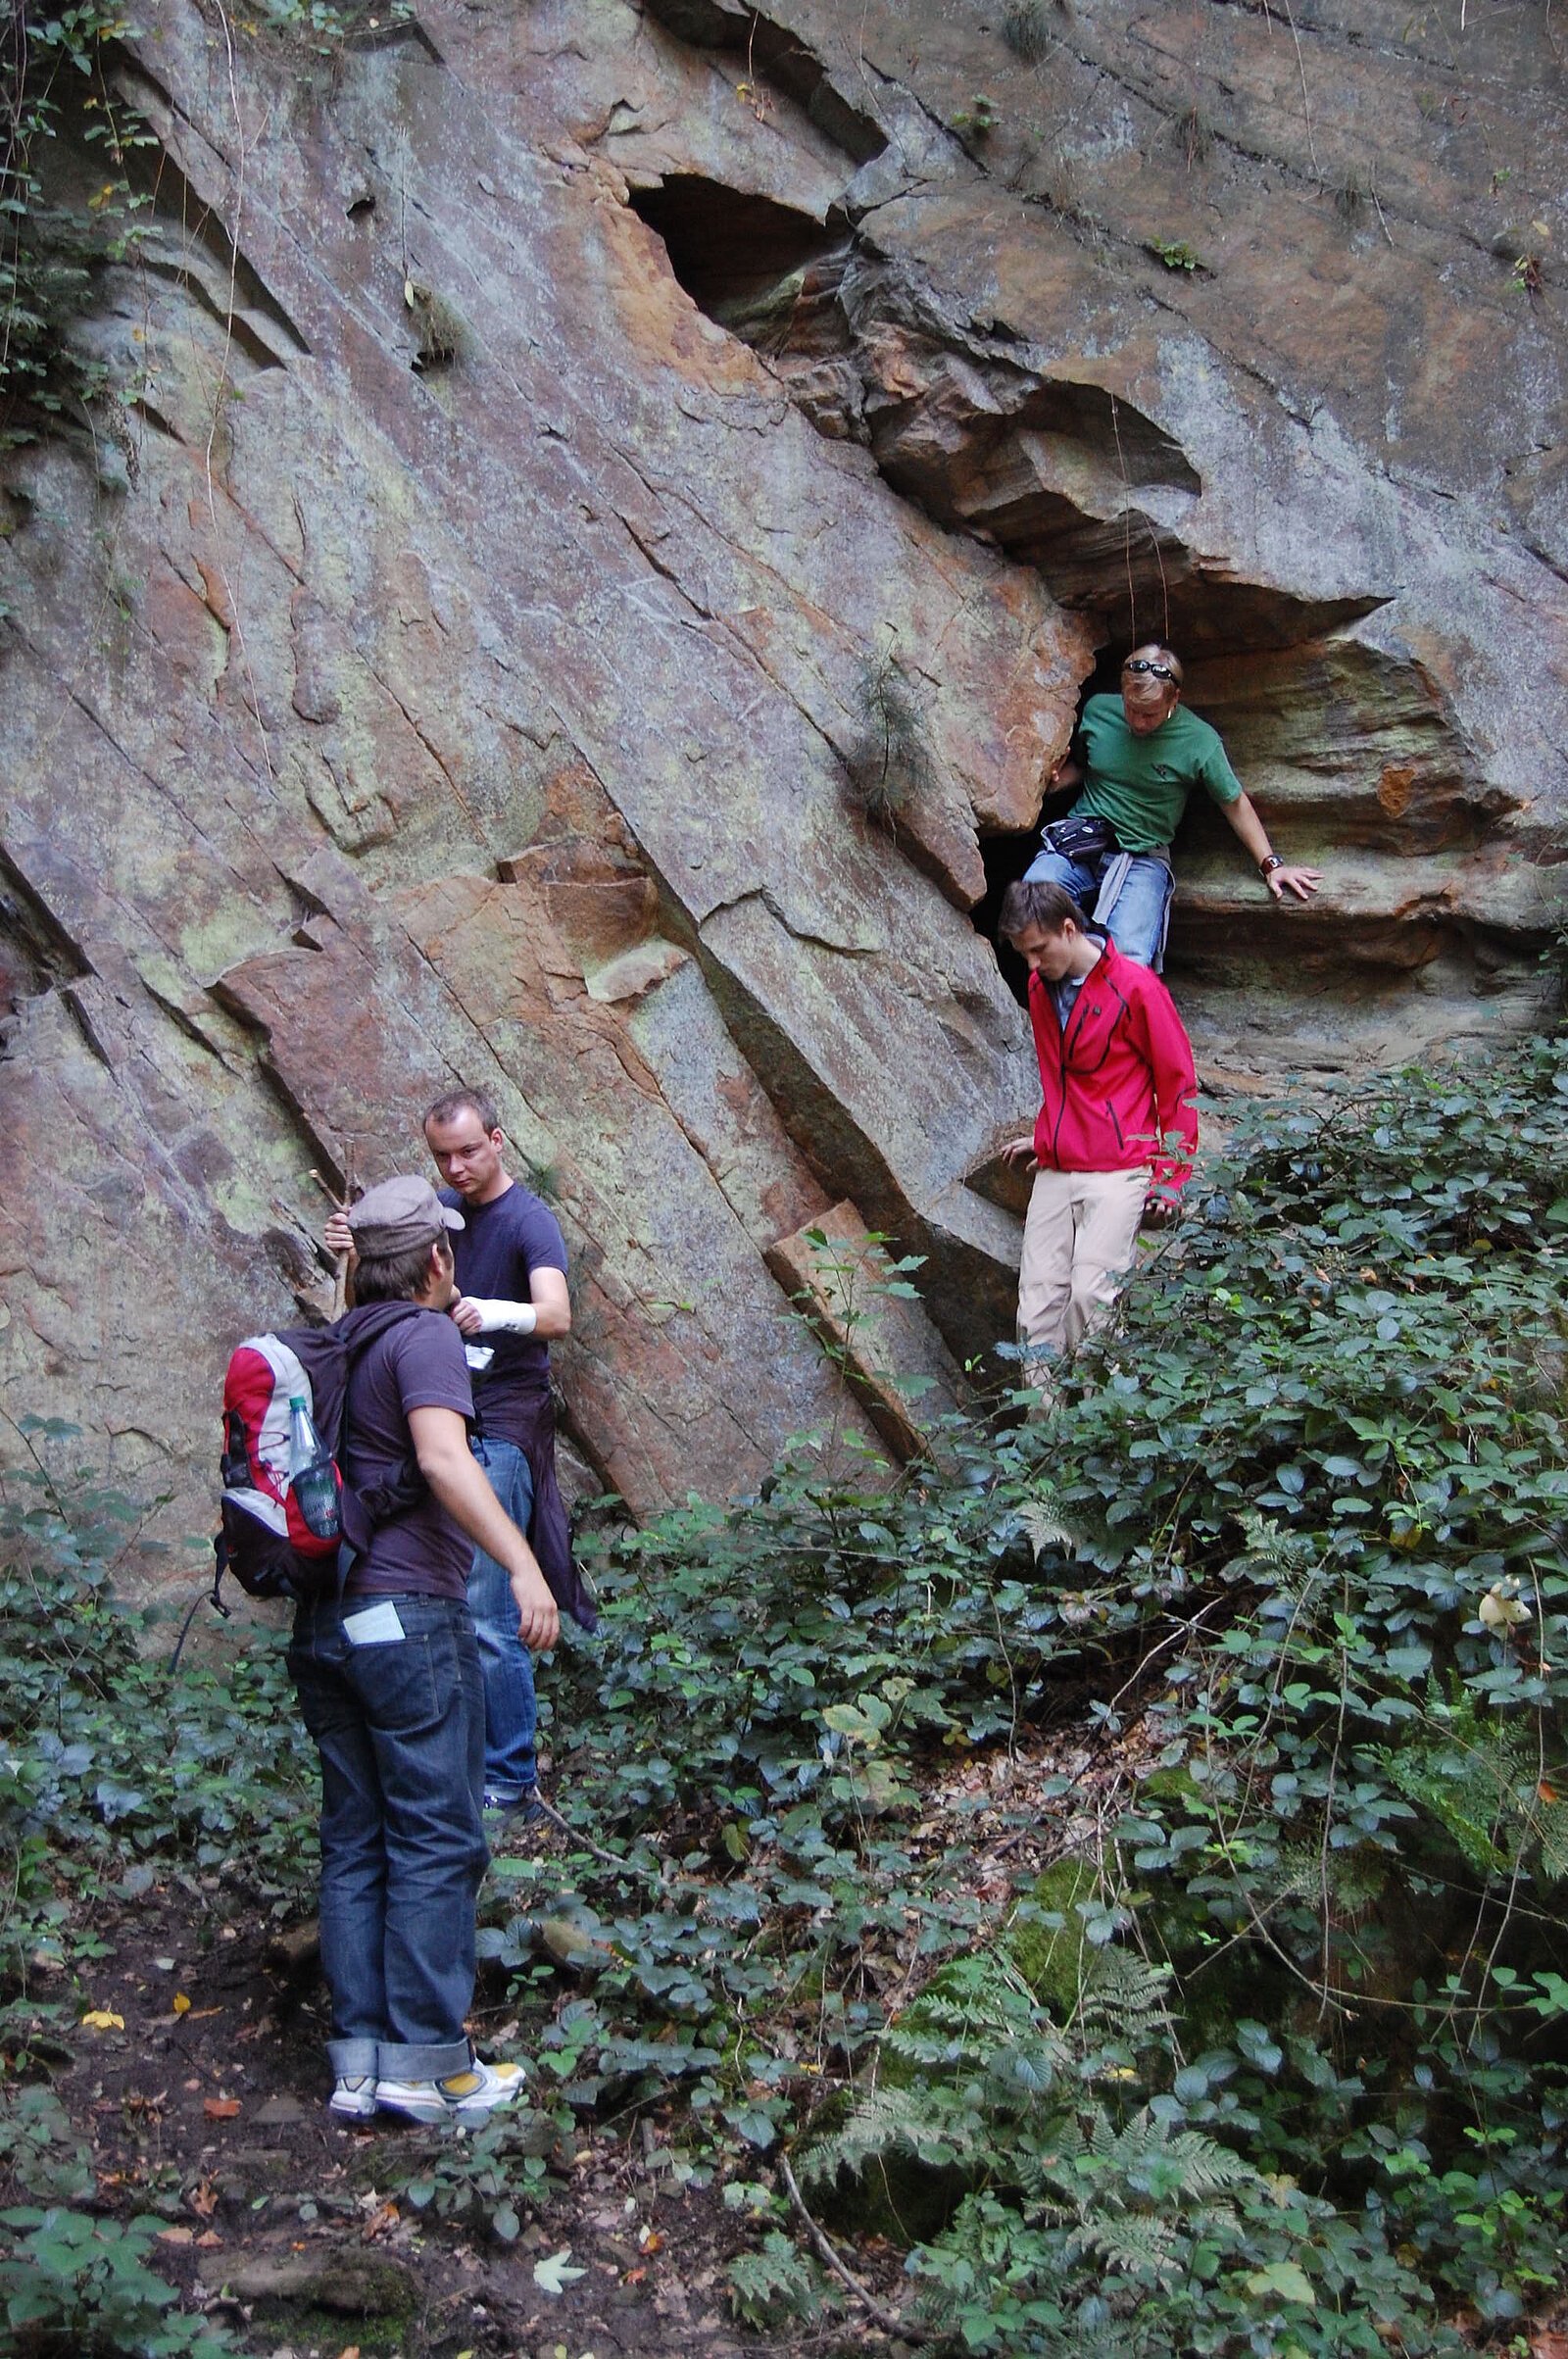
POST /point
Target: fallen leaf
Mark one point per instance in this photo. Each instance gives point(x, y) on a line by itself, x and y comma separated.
point(650, 2240)
point(203, 2198)
point(1548, 1793)
point(220, 2109)
point(208, 2239)
point(385, 2215)
point(202, 2014)
point(176, 2235)
point(100, 2020)
point(181, 2004)
point(192, 2086)
point(554, 2275)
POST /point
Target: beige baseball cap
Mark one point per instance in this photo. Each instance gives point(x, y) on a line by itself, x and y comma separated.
point(396, 1214)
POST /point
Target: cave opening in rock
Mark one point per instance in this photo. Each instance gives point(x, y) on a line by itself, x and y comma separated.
point(1009, 853)
point(733, 253)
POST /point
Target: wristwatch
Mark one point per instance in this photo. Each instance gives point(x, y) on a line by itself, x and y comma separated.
point(1269, 862)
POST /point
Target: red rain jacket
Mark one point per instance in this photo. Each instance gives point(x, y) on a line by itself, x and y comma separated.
point(1122, 1081)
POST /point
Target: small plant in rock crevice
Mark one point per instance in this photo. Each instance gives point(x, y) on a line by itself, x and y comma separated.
point(979, 119)
point(440, 327)
point(1026, 30)
point(1350, 198)
point(888, 763)
point(1195, 136)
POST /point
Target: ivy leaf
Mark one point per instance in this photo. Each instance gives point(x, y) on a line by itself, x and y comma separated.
point(753, 2124)
point(1286, 2280)
point(1256, 2044)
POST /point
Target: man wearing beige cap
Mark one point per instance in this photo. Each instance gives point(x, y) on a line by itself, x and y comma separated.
point(390, 1686)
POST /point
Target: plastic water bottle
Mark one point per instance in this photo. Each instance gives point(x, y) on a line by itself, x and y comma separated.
point(312, 1477)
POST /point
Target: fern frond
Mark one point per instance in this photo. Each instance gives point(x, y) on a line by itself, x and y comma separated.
point(922, 2120)
point(1478, 1778)
point(779, 2279)
point(1283, 1561)
point(1164, 2165)
point(1048, 1531)
point(1138, 2246)
point(1122, 2006)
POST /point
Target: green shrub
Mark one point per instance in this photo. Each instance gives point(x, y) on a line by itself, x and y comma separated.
point(1320, 1611)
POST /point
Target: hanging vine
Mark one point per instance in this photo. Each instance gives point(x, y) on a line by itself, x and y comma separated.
point(55, 71)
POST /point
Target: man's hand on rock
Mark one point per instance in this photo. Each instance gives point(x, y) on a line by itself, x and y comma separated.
point(1161, 1210)
point(468, 1317)
point(1302, 882)
point(1017, 1151)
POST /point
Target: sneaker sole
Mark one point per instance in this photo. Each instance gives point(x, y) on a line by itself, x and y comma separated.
point(421, 2108)
point(415, 2109)
point(357, 2110)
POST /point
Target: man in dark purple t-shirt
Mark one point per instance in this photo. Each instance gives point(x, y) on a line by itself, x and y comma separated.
point(512, 1273)
point(390, 1686)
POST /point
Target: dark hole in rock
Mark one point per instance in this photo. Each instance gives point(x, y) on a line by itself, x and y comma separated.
point(362, 209)
point(1009, 853)
point(729, 250)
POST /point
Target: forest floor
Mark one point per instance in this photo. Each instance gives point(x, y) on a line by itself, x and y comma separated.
point(286, 2225)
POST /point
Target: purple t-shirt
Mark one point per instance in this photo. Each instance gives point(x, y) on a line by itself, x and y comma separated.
point(497, 1252)
point(417, 1364)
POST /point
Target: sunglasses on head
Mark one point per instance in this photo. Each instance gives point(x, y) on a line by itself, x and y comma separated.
point(1138, 665)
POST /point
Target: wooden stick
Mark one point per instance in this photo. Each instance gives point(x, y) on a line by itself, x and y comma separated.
point(888, 2320)
point(340, 1262)
point(625, 1867)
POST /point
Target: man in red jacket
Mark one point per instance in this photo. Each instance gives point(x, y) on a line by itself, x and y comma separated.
point(1118, 1127)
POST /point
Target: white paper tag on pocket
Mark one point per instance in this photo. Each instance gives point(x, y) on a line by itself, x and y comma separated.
point(373, 1626)
point(478, 1355)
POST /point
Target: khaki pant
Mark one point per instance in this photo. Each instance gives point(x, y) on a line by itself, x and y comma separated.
point(1079, 1241)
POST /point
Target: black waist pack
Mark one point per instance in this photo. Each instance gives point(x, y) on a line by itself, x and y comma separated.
point(1080, 836)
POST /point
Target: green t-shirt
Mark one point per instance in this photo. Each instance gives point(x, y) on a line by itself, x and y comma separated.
point(1141, 784)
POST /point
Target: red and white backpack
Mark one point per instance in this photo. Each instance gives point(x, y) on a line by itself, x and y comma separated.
point(262, 1539)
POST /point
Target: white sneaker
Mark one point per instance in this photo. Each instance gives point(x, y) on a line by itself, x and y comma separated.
point(354, 2097)
point(461, 2097)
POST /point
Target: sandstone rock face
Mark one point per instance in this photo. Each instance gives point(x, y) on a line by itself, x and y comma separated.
point(624, 504)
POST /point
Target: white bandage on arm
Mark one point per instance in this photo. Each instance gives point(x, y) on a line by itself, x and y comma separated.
point(502, 1319)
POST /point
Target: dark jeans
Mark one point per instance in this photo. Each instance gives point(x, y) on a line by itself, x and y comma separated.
point(510, 1710)
point(400, 1728)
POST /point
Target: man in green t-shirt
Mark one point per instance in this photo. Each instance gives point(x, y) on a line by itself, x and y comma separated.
point(1143, 753)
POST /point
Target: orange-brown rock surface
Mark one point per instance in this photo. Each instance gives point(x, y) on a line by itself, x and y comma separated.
point(621, 507)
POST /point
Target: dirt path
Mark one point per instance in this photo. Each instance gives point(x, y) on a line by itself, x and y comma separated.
point(204, 2105)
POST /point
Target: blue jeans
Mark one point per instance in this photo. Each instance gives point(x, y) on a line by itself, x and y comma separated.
point(400, 1728)
point(1136, 923)
point(510, 1710)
